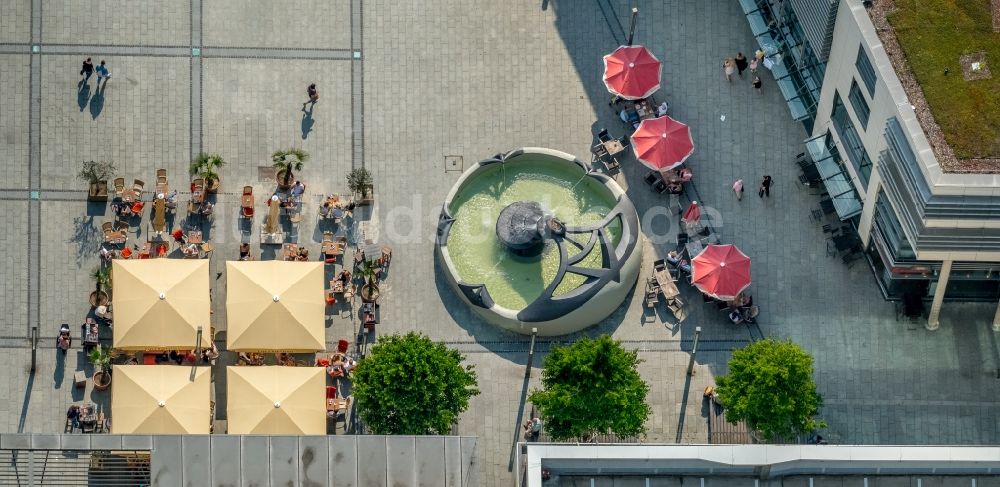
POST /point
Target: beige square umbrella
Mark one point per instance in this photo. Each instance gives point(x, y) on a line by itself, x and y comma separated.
point(160, 303)
point(160, 399)
point(275, 306)
point(276, 400)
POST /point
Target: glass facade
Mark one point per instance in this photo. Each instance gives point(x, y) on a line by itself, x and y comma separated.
point(796, 68)
point(860, 105)
point(853, 146)
point(866, 70)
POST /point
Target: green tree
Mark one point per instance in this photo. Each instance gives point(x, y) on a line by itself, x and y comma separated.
point(592, 387)
point(409, 385)
point(287, 161)
point(770, 386)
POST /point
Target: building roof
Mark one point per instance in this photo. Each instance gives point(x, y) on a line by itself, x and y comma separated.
point(961, 119)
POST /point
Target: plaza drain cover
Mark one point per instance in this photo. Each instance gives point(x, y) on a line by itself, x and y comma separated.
point(265, 174)
point(453, 163)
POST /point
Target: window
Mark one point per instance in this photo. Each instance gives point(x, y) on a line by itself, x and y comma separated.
point(891, 231)
point(855, 149)
point(866, 70)
point(860, 105)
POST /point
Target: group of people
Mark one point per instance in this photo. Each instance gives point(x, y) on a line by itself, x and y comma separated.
point(338, 365)
point(208, 355)
point(739, 64)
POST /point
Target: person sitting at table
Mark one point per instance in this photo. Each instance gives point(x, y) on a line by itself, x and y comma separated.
point(73, 416)
point(178, 236)
point(122, 210)
point(662, 109)
point(685, 175)
point(344, 276)
point(675, 188)
point(325, 209)
point(303, 255)
point(630, 117)
point(191, 249)
point(244, 251)
point(736, 317)
point(206, 208)
point(176, 357)
point(349, 365)
point(171, 201)
point(103, 314)
point(298, 189)
point(209, 355)
point(107, 254)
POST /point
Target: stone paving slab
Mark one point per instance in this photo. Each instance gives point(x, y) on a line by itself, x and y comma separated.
point(14, 272)
point(140, 119)
point(15, 24)
point(314, 24)
point(14, 74)
point(145, 22)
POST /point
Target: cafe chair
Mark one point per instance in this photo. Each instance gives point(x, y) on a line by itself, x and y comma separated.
point(119, 187)
point(603, 135)
point(137, 186)
point(651, 178)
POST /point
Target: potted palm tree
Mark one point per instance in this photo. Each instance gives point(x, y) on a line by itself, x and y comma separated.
point(101, 357)
point(206, 166)
point(96, 174)
point(102, 280)
point(359, 181)
point(369, 273)
point(286, 162)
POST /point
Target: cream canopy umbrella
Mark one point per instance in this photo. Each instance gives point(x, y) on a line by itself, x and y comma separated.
point(160, 303)
point(276, 400)
point(275, 306)
point(160, 399)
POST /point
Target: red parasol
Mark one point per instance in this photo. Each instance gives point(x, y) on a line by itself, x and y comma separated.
point(692, 214)
point(662, 143)
point(632, 72)
point(721, 271)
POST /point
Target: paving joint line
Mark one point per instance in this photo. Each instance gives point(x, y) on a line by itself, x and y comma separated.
point(357, 86)
point(34, 171)
point(218, 52)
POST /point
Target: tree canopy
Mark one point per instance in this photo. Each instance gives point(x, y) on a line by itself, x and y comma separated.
point(592, 387)
point(770, 386)
point(410, 385)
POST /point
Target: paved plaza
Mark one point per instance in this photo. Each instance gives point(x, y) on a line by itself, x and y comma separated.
point(403, 85)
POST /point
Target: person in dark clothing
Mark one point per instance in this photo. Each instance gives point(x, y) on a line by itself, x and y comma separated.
point(741, 63)
point(765, 187)
point(87, 70)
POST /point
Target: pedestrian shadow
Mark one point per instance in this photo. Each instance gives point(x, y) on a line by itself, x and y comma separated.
point(97, 101)
point(59, 373)
point(83, 95)
point(307, 123)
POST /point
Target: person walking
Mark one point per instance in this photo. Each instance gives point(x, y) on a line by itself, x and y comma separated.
point(102, 72)
point(765, 187)
point(738, 189)
point(313, 97)
point(753, 66)
point(729, 67)
point(757, 84)
point(741, 63)
point(87, 70)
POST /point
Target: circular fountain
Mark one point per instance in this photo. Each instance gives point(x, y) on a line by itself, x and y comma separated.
point(534, 239)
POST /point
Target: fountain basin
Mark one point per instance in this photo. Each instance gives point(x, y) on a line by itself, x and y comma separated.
point(534, 239)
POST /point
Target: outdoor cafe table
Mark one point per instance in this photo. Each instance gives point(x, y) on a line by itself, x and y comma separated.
point(116, 238)
point(194, 237)
point(336, 404)
point(198, 197)
point(336, 286)
point(666, 283)
point(332, 248)
point(613, 146)
point(162, 188)
point(128, 195)
point(645, 109)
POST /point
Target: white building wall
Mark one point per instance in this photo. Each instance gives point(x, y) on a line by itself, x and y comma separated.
point(854, 28)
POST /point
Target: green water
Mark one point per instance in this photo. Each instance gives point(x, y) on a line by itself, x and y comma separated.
point(478, 256)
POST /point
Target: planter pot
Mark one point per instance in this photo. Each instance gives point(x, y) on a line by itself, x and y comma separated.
point(369, 293)
point(97, 191)
point(102, 380)
point(365, 198)
point(99, 299)
point(280, 177)
point(213, 186)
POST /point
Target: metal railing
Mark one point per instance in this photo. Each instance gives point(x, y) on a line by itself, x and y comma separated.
point(94, 468)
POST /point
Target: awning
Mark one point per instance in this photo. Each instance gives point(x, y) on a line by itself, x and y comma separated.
point(276, 400)
point(160, 399)
point(275, 306)
point(160, 303)
point(838, 184)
